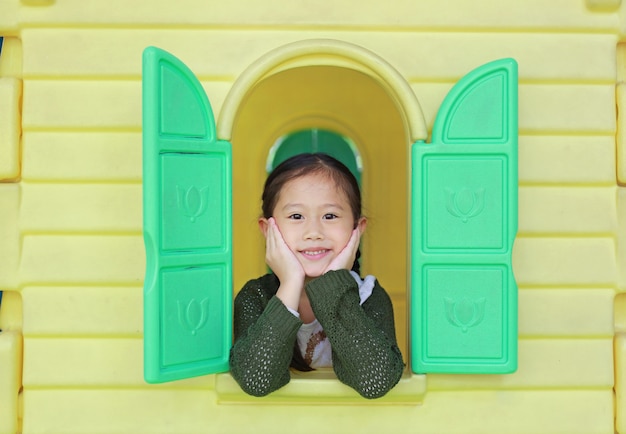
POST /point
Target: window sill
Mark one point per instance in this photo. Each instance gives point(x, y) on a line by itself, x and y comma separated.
point(321, 387)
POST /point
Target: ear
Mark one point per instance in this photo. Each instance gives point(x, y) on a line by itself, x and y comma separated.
point(361, 224)
point(264, 224)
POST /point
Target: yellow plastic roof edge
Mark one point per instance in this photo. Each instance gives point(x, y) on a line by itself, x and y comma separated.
point(325, 52)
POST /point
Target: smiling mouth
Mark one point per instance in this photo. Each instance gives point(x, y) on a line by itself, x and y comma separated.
point(314, 252)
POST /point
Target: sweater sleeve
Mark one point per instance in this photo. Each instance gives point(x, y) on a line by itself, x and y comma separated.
point(365, 352)
point(265, 333)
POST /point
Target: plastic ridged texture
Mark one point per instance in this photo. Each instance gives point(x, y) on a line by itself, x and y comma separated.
point(464, 222)
point(187, 195)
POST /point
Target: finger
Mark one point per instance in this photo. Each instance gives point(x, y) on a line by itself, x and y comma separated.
point(275, 235)
point(353, 244)
point(271, 244)
point(277, 238)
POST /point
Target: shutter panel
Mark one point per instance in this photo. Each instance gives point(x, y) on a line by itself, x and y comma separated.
point(187, 192)
point(464, 222)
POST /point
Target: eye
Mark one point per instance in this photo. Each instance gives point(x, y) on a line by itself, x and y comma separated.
point(330, 216)
point(295, 216)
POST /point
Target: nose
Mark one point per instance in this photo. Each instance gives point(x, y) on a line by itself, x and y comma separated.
point(313, 230)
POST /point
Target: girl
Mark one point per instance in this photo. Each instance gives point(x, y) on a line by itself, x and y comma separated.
point(313, 312)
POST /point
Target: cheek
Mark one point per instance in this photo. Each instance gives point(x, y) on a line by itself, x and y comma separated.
point(289, 236)
point(343, 235)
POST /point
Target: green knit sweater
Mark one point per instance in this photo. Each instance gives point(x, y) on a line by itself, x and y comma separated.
point(364, 349)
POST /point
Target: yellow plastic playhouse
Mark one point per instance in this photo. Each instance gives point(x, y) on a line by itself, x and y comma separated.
point(371, 76)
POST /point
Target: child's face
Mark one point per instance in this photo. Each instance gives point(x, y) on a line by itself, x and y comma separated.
point(315, 220)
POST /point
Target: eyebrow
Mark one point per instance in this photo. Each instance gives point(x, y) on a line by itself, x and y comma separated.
point(300, 204)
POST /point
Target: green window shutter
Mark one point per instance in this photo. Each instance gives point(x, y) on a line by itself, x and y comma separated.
point(464, 222)
point(187, 205)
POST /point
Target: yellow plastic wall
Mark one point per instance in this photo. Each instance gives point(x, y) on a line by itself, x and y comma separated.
point(71, 251)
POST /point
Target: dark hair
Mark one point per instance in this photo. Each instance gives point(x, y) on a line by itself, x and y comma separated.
point(305, 164)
